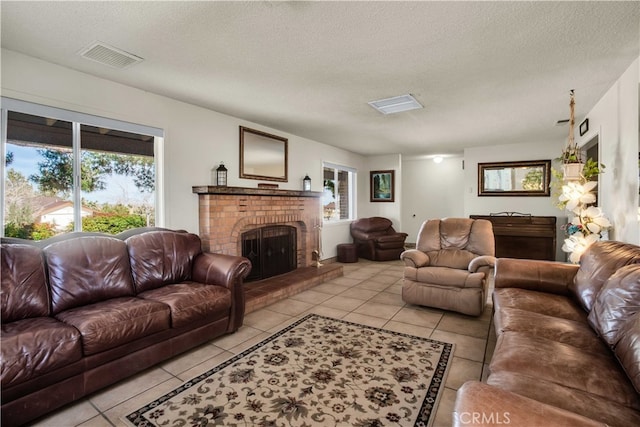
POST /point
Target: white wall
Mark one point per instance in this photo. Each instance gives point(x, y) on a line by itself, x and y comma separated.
point(615, 120)
point(196, 139)
point(538, 206)
point(430, 190)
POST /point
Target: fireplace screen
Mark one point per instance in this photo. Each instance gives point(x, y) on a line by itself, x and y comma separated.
point(271, 250)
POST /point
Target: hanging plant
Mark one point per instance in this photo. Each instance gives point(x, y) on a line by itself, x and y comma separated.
point(587, 223)
point(571, 156)
point(592, 169)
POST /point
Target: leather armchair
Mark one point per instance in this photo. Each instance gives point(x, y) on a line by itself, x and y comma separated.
point(450, 265)
point(376, 239)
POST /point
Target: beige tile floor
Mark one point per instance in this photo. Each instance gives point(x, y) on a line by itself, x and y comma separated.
point(368, 293)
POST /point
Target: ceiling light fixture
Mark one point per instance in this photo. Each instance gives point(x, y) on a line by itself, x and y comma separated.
point(437, 159)
point(396, 104)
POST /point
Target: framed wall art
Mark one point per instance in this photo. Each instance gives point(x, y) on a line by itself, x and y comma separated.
point(382, 186)
point(584, 127)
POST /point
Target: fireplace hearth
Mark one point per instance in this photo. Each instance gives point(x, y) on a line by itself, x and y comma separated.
point(271, 250)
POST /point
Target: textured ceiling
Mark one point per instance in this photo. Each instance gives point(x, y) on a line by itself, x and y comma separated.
point(487, 72)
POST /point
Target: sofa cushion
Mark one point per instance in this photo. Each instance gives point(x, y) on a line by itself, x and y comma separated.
point(161, 258)
point(372, 225)
point(473, 235)
point(391, 241)
point(478, 404)
point(570, 399)
point(571, 332)
point(538, 302)
point(23, 289)
point(32, 347)
point(452, 258)
point(627, 349)
point(597, 264)
point(114, 322)
point(192, 301)
point(481, 240)
point(444, 276)
point(429, 236)
point(617, 301)
point(86, 270)
point(454, 232)
point(545, 360)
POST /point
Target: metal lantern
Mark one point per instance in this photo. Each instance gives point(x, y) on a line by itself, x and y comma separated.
point(306, 183)
point(221, 175)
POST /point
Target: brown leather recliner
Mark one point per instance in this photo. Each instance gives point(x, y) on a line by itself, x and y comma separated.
point(450, 265)
point(376, 239)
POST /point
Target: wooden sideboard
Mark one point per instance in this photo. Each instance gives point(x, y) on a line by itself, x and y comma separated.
point(523, 236)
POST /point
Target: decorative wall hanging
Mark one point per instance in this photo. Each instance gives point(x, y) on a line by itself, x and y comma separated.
point(382, 186)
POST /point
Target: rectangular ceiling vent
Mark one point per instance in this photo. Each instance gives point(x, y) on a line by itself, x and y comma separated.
point(109, 55)
point(396, 104)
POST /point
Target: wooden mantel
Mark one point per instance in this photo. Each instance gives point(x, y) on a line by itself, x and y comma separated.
point(214, 189)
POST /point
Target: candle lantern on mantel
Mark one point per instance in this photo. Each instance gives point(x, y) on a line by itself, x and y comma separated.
point(219, 175)
point(306, 183)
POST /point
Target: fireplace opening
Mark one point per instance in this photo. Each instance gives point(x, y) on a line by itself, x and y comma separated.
point(271, 250)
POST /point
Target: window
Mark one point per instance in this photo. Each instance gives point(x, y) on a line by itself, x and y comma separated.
point(66, 171)
point(338, 200)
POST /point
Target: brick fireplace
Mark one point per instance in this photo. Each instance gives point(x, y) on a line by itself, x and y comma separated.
point(227, 212)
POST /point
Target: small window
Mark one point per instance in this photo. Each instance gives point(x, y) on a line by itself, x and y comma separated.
point(338, 200)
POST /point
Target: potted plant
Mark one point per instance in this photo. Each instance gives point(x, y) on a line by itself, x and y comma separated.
point(571, 156)
point(571, 163)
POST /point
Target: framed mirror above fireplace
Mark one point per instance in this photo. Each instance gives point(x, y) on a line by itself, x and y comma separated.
point(263, 156)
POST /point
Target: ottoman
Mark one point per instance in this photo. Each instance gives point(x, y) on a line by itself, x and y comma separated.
point(347, 252)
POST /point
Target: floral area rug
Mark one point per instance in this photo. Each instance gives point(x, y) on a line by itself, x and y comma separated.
point(318, 371)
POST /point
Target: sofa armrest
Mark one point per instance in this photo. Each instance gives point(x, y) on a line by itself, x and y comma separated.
point(544, 276)
point(220, 269)
point(228, 271)
point(478, 404)
point(481, 261)
point(415, 258)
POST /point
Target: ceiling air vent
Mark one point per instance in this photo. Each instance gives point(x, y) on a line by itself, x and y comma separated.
point(109, 55)
point(397, 104)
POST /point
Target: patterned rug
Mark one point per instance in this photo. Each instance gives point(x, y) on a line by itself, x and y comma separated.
point(318, 371)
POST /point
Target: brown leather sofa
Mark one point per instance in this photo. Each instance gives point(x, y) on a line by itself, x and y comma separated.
point(568, 344)
point(450, 265)
point(376, 239)
point(83, 312)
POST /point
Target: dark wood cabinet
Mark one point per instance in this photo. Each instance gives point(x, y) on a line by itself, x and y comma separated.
point(523, 236)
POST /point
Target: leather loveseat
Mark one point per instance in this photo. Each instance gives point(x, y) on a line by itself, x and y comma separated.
point(82, 312)
point(568, 344)
point(376, 239)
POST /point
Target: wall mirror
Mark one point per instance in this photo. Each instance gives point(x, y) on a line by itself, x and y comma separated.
point(262, 155)
point(526, 178)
